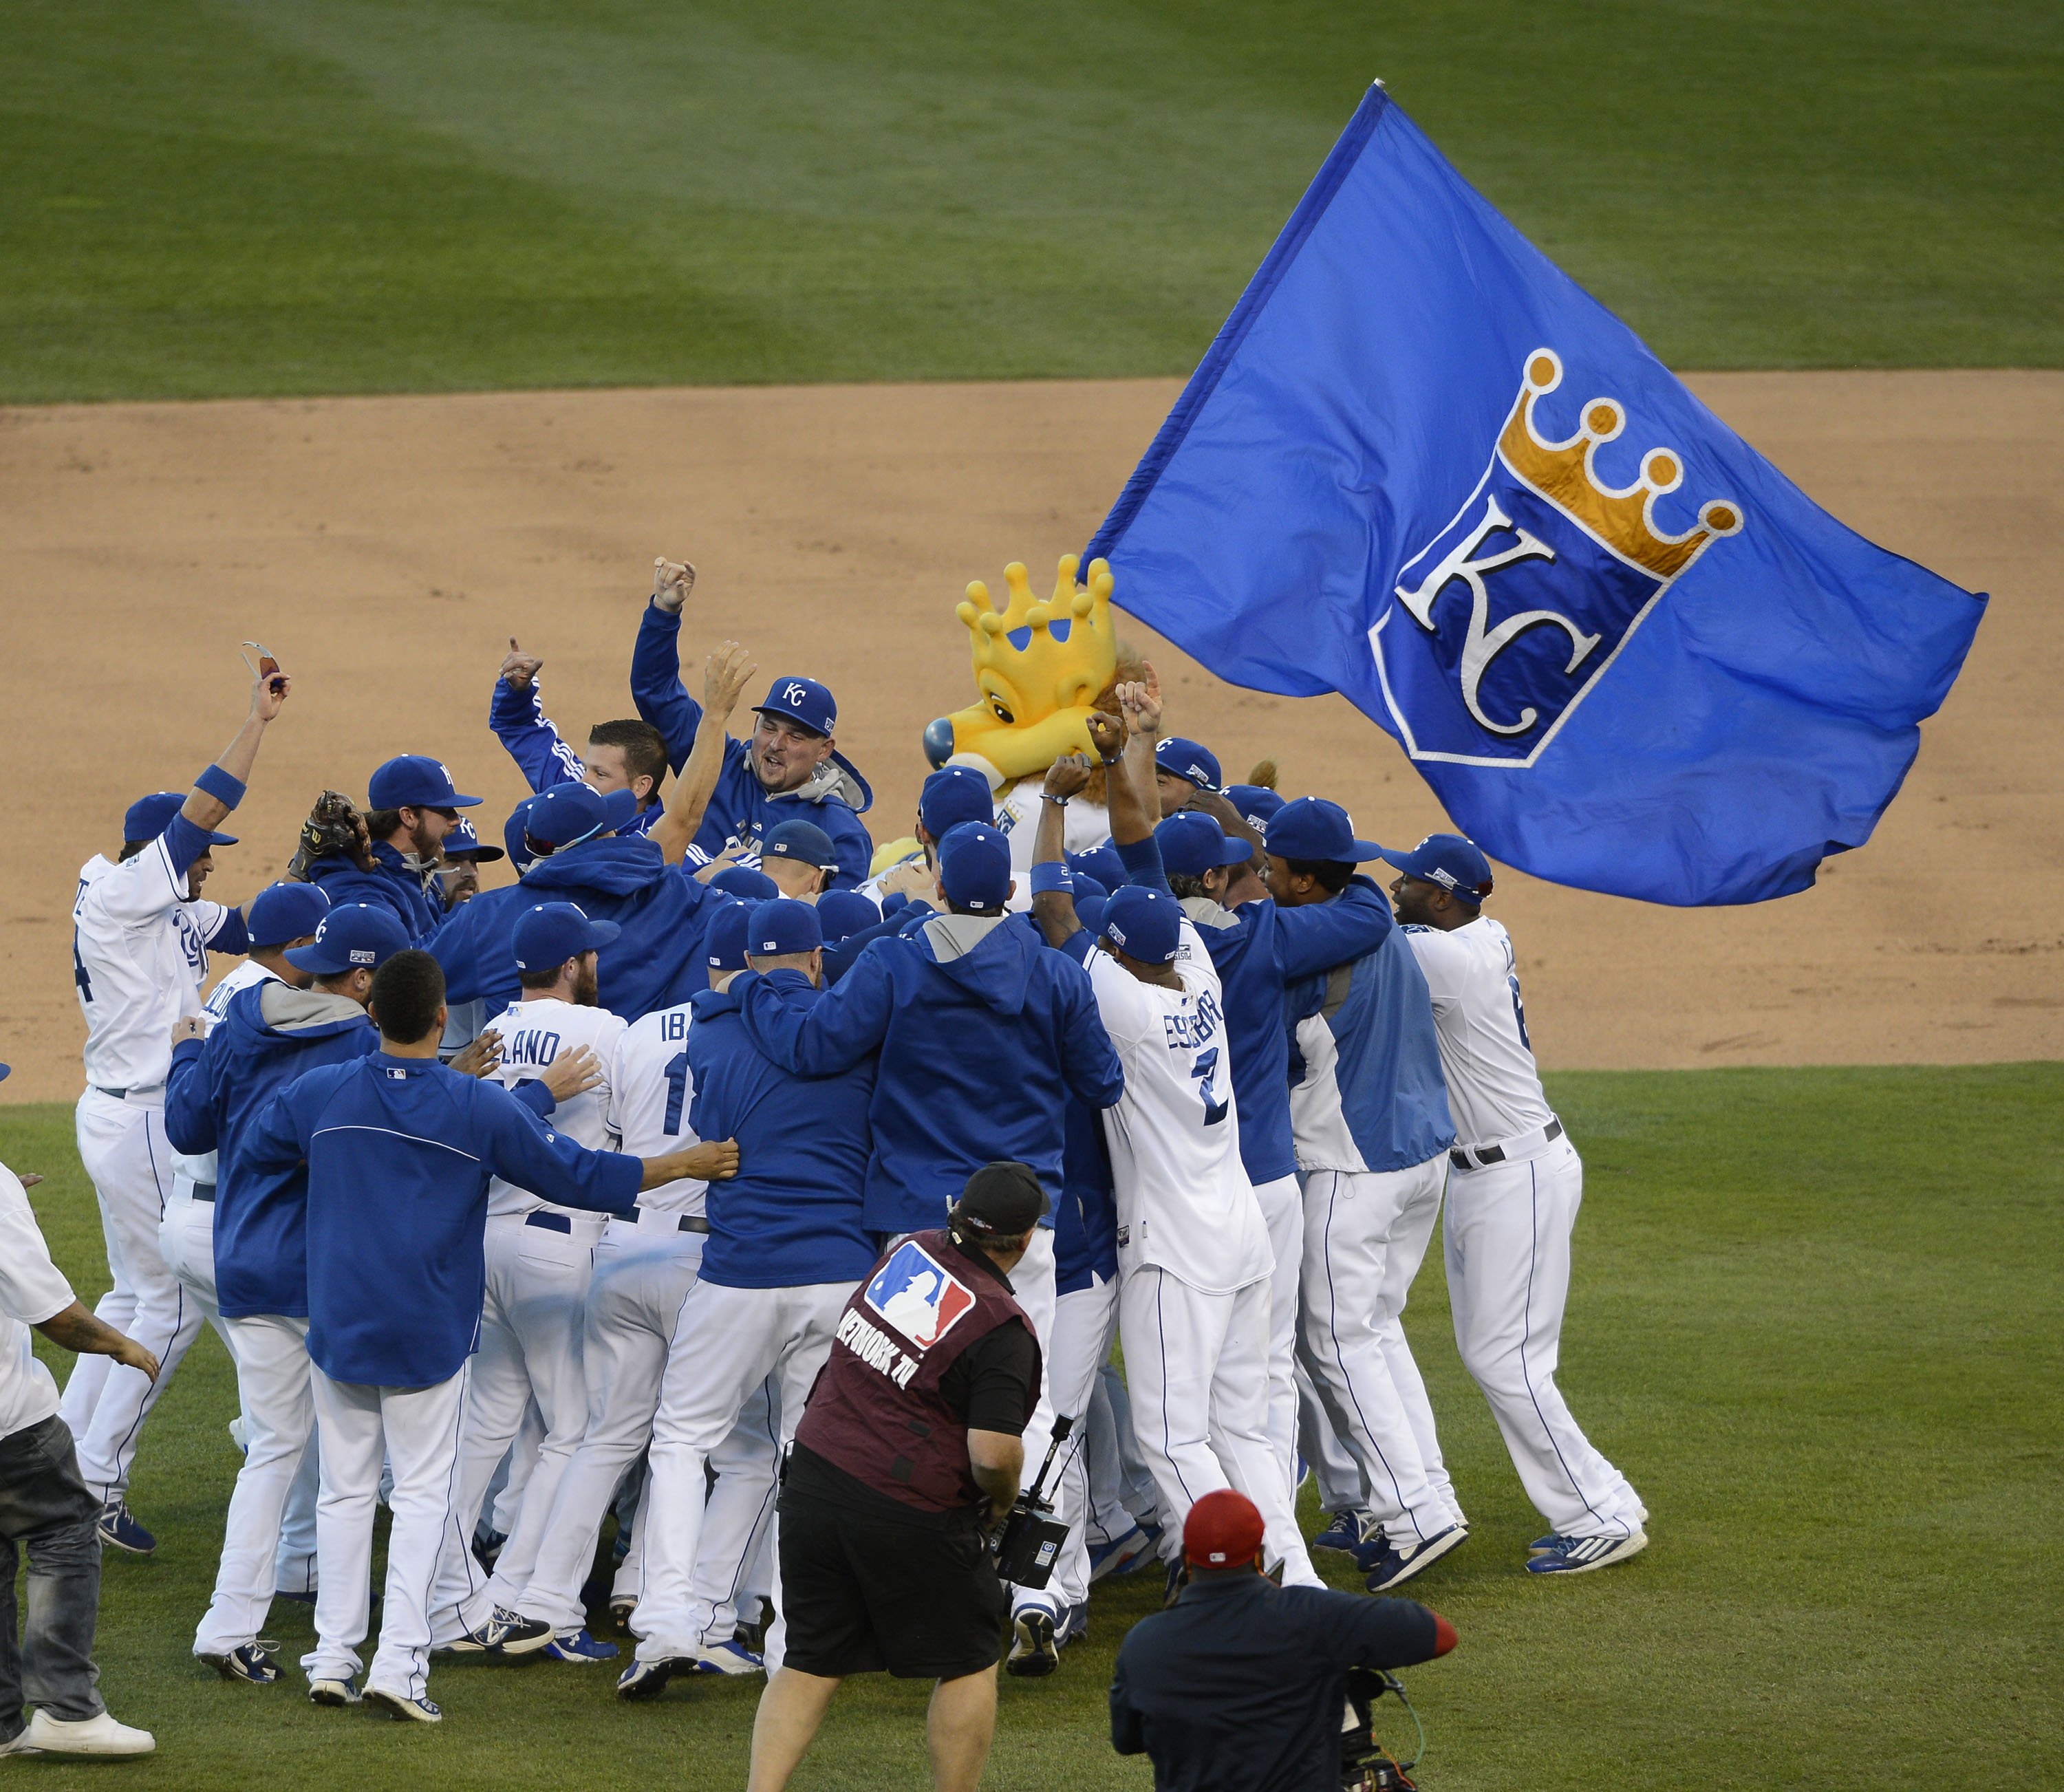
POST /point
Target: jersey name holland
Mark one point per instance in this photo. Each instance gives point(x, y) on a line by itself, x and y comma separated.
point(1184, 1203)
point(654, 1093)
point(1493, 1087)
point(239, 975)
point(534, 1034)
point(139, 957)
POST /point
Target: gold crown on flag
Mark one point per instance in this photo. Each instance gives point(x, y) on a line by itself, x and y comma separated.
point(1566, 473)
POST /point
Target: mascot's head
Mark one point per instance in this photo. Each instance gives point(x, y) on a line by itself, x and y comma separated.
point(1040, 665)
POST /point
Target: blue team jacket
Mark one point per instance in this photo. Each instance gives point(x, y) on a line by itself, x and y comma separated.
point(518, 718)
point(657, 961)
point(979, 1057)
point(793, 1214)
point(390, 881)
point(741, 811)
point(1085, 1217)
point(216, 1088)
point(1386, 1082)
point(399, 1153)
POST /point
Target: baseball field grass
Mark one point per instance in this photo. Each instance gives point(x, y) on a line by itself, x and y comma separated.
point(205, 197)
point(1816, 1317)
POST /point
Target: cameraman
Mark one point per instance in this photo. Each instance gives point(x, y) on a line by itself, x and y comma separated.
point(909, 1443)
point(1241, 1684)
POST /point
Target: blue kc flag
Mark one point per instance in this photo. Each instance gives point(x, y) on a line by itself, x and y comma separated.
point(1421, 467)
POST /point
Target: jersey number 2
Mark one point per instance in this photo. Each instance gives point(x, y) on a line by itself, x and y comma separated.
point(1204, 1069)
point(677, 1092)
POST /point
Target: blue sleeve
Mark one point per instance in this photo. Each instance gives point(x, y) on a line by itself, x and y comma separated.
point(1142, 860)
point(275, 1141)
point(842, 958)
point(519, 1148)
point(231, 934)
point(852, 844)
point(1078, 945)
point(655, 684)
point(516, 715)
point(823, 1037)
point(184, 843)
point(1321, 935)
point(1302, 998)
point(1128, 1734)
point(1089, 1061)
point(533, 1094)
point(189, 1114)
point(455, 947)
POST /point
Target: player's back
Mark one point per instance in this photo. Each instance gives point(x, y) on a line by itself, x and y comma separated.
point(139, 957)
point(651, 1091)
point(534, 1032)
point(1493, 1084)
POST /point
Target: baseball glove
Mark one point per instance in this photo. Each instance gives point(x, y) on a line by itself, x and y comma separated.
point(334, 830)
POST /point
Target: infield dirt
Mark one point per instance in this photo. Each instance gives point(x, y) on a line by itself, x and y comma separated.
point(387, 548)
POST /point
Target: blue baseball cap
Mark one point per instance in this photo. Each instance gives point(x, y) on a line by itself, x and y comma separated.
point(463, 843)
point(414, 781)
point(283, 912)
point(520, 856)
point(1311, 827)
point(1143, 924)
point(352, 936)
point(1101, 862)
point(746, 884)
point(783, 926)
point(1186, 759)
point(1087, 888)
point(974, 866)
point(1257, 803)
point(1090, 911)
point(567, 814)
point(724, 943)
point(149, 816)
point(1457, 864)
point(843, 913)
point(952, 795)
point(802, 843)
point(803, 701)
point(554, 931)
point(1192, 843)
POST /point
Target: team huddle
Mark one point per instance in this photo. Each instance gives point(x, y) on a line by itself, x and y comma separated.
point(519, 1205)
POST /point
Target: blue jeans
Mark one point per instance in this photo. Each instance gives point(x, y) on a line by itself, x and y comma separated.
point(45, 1509)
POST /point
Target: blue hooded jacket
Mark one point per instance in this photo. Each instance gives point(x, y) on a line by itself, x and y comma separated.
point(517, 717)
point(741, 812)
point(657, 961)
point(390, 882)
point(981, 1050)
point(1085, 1217)
point(793, 1214)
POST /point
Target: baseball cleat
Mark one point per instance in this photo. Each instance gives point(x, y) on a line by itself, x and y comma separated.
point(1077, 1625)
point(1567, 1555)
point(333, 1692)
point(1346, 1533)
point(119, 1530)
point(487, 1544)
point(577, 1646)
point(248, 1663)
point(403, 1708)
point(1179, 1577)
point(619, 1613)
point(506, 1632)
point(1120, 1556)
point(237, 1436)
point(100, 1734)
point(730, 1657)
point(647, 1680)
point(1394, 1566)
point(1034, 1652)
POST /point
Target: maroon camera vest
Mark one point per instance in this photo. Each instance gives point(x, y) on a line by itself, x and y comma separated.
point(876, 1411)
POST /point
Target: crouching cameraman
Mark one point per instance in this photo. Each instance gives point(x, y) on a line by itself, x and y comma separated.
point(1241, 1684)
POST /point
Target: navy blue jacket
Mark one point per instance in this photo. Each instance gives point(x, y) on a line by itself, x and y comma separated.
point(741, 812)
point(390, 882)
point(1240, 1685)
point(791, 1215)
point(399, 1153)
point(980, 1055)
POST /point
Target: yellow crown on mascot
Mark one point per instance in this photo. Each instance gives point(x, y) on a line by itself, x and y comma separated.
point(1040, 664)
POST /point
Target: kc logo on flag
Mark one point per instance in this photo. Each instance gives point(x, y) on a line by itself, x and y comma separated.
point(1501, 623)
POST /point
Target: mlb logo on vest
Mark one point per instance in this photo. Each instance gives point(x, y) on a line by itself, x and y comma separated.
point(917, 1296)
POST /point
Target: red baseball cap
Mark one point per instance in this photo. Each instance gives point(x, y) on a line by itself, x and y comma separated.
point(1224, 1530)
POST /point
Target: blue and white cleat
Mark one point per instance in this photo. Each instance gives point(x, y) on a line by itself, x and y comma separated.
point(647, 1680)
point(1393, 1567)
point(730, 1657)
point(1346, 1533)
point(577, 1646)
point(1034, 1652)
point(333, 1692)
point(249, 1662)
point(119, 1530)
point(1120, 1556)
point(399, 1706)
point(1568, 1555)
point(506, 1632)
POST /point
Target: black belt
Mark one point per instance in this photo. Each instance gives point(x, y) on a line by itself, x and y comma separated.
point(690, 1222)
point(1495, 1153)
point(551, 1222)
point(204, 1191)
point(123, 1094)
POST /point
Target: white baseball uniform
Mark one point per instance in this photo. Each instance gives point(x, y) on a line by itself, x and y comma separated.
point(1195, 1264)
point(1512, 1196)
point(139, 957)
point(540, 1260)
point(1018, 819)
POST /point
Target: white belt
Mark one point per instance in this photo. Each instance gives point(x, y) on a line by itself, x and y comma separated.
point(1521, 1145)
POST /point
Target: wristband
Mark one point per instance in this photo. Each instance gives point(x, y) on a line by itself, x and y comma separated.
point(220, 785)
point(1048, 797)
point(1050, 875)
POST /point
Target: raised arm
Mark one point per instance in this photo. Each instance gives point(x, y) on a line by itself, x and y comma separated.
point(517, 714)
point(210, 800)
point(1053, 889)
point(655, 661)
point(724, 679)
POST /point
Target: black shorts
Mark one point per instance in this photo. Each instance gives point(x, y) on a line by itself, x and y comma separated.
point(865, 1592)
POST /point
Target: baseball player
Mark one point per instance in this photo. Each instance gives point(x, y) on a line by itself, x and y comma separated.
point(644, 1267)
point(788, 1244)
point(951, 796)
point(621, 755)
point(1514, 1188)
point(142, 933)
point(460, 856)
point(411, 807)
point(790, 770)
point(799, 857)
point(1370, 1113)
point(399, 1152)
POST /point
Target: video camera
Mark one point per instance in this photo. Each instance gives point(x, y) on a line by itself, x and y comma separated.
point(1031, 1540)
point(1366, 1765)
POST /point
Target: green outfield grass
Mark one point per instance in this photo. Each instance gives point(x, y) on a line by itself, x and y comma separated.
point(1816, 1318)
point(202, 197)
